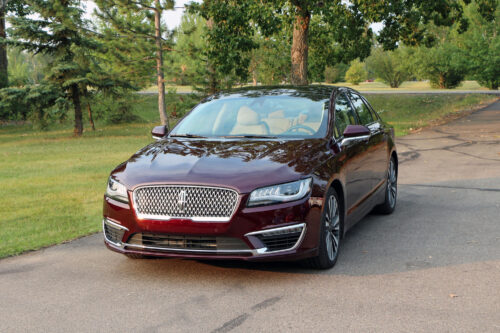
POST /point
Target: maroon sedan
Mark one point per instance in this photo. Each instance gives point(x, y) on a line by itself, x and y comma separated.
point(270, 173)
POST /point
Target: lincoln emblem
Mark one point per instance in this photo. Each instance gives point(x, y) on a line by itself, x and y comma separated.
point(181, 201)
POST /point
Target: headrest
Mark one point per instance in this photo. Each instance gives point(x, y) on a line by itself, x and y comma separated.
point(277, 114)
point(247, 116)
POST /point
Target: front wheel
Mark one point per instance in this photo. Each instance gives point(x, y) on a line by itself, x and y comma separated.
point(391, 190)
point(330, 234)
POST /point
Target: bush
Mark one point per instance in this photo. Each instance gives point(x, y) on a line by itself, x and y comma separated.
point(391, 67)
point(356, 73)
point(114, 108)
point(336, 73)
point(444, 65)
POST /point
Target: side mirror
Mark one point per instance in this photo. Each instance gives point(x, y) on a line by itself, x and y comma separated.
point(355, 132)
point(159, 132)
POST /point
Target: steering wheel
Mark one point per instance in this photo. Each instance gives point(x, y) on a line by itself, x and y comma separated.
point(296, 128)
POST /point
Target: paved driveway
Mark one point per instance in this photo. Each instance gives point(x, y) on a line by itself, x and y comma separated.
point(432, 266)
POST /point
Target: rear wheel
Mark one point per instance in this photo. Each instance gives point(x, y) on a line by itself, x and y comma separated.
point(330, 234)
point(391, 190)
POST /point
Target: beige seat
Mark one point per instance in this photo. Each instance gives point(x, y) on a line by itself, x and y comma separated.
point(305, 119)
point(248, 122)
point(277, 122)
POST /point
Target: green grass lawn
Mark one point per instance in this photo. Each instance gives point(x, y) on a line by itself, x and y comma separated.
point(52, 184)
point(364, 86)
point(409, 86)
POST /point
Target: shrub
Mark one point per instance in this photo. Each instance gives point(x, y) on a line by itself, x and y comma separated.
point(356, 72)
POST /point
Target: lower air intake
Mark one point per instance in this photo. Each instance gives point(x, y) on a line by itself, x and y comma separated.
point(113, 233)
point(281, 239)
point(181, 242)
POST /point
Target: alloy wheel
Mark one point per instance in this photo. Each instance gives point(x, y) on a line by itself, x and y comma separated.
point(392, 183)
point(332, 226)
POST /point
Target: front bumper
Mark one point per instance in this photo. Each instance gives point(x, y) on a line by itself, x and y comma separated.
point(285, 231)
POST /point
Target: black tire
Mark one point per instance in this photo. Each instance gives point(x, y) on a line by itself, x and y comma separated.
point(330, 233)
point(391, 190)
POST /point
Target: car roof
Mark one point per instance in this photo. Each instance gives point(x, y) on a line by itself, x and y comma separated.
point(314, 92)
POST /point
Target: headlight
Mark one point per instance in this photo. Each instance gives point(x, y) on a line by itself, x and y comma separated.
point(116, 191)
point(280, 193)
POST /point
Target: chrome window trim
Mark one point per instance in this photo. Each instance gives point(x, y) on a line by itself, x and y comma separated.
point(192, 218)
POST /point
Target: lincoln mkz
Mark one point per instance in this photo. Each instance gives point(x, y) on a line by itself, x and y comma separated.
point(265, 173)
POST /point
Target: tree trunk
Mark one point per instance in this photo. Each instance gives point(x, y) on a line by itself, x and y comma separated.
point(91, 119)
point(75, 95)
point(159, 65)
point(4, 76)
point(212, 75)
point(442, 81)
point(300, 46)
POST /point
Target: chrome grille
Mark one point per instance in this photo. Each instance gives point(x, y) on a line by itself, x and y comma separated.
point(198, 203)
point(187, 242)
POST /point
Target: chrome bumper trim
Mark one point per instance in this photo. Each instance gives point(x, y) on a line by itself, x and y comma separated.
point(295, 246)
point(114, 224)
point(253, 252)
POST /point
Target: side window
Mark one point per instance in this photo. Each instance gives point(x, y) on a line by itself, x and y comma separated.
point(364, 114)
point(343, 114)
point(375, 115)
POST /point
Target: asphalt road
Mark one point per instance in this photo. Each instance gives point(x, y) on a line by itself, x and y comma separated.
point(432, 266)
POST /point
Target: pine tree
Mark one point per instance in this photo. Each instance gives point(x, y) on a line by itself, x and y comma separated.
point(60, 31)
point(139, 20)
point(7, 6)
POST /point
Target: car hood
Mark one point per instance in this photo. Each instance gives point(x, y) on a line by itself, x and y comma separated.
point(239, 164)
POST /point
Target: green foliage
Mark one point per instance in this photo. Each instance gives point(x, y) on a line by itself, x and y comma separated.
point(443, 65)
point(229, 36)
point(127, 30)
point(26, 68)
point(270, 63)
point(38, 103)
point(60, 33)
point(356, 72)
point(336, 73)
point(481, 44)
point(186, 64)
point(392, 67)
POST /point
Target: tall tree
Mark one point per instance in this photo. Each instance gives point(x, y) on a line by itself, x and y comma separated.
point(4, 78)
point(118, 13)
point(345, 22)
point(60, 31)
point(19, 8)
point(482, 44)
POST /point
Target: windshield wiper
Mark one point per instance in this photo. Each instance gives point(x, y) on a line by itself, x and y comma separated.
point(187, 135)
point(251, 136)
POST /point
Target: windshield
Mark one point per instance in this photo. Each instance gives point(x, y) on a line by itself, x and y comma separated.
point(262, 116)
